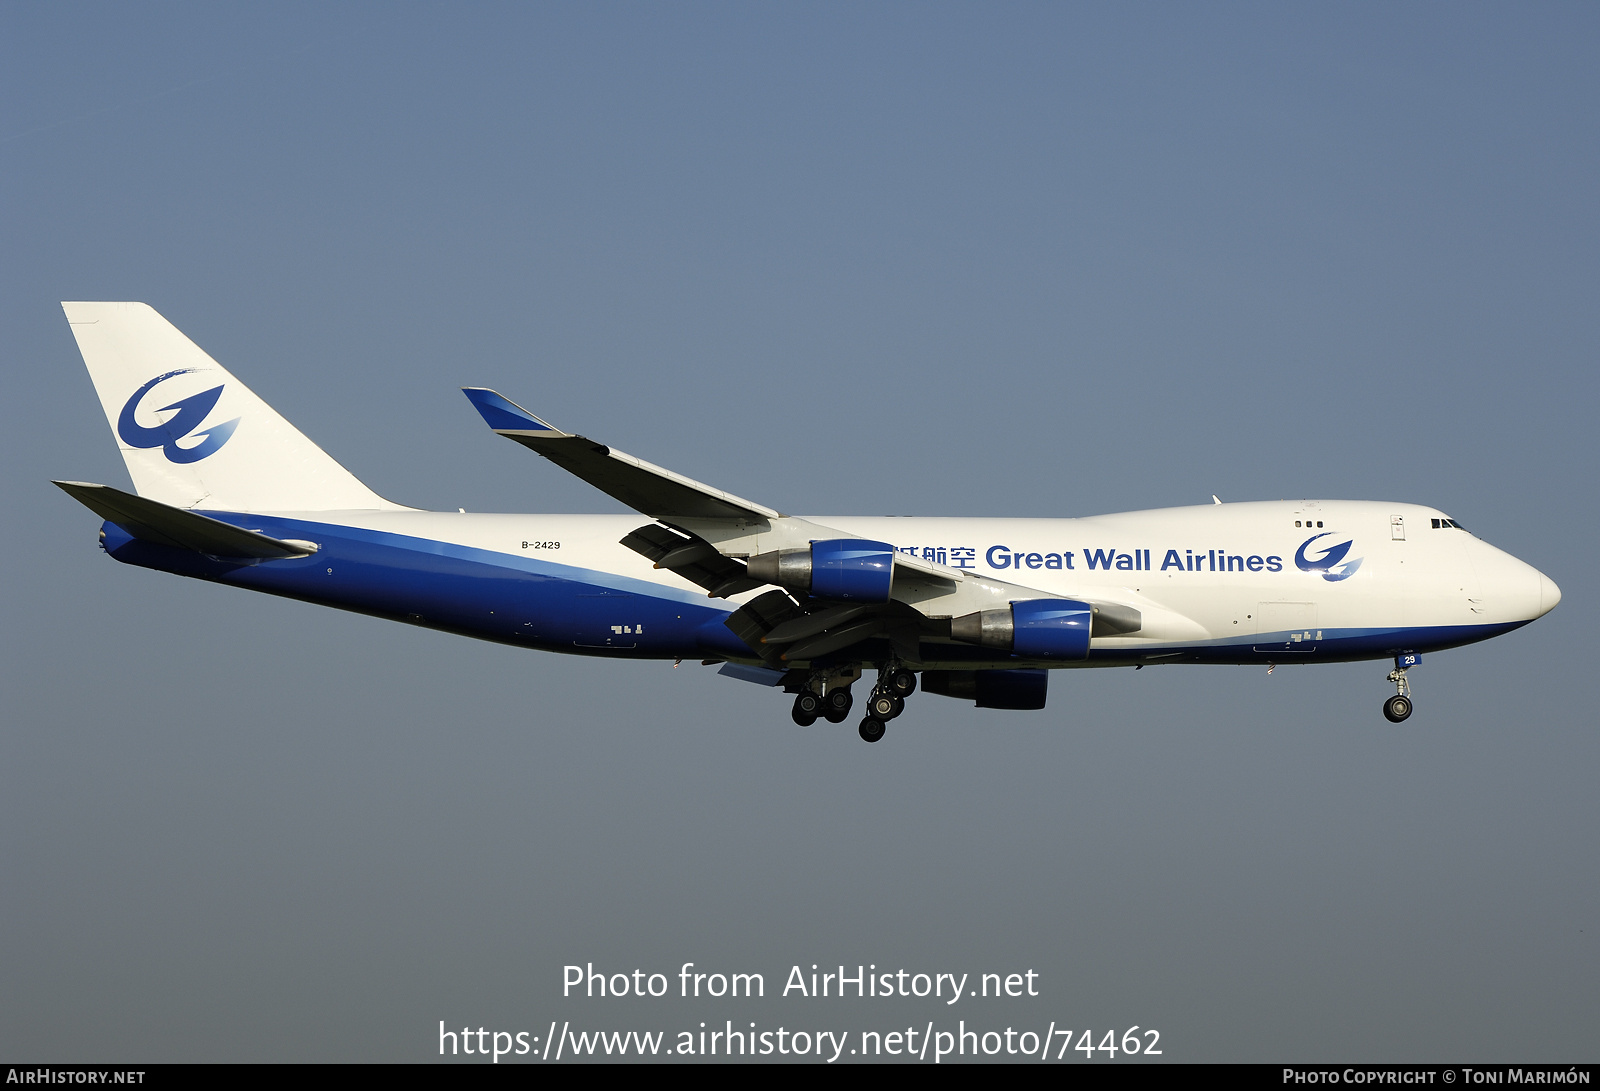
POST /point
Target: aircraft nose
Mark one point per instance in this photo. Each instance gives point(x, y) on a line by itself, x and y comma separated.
point(1513, 589)
point(1549, 594)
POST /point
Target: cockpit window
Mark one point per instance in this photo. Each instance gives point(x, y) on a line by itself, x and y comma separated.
point(1447, 523)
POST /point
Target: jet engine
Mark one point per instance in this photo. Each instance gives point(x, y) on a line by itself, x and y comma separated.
point(1018, 689)
point(847, 569)
point(1035, 628)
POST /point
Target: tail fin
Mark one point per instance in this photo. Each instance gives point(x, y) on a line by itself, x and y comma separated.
point(194, 436)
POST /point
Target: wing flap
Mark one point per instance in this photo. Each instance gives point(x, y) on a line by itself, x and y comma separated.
point(813, 624)
point(758, 617)
point(835, 639)
point(691, 557)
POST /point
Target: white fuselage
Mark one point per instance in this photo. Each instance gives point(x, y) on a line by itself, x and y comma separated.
point(1223, 582)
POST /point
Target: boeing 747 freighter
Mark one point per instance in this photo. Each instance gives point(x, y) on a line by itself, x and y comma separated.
point(227, 490)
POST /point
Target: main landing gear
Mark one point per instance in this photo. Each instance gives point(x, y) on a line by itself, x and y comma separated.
point(1398, 707)
point(834, 707)
point(888, 700)
point(807, 707)
point(826, 696)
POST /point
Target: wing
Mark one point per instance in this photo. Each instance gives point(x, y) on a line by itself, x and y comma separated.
point(706, 535)
point(658, 492)
point(673, 499)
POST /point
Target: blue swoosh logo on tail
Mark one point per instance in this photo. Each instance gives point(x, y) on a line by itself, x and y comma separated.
point(191, 412)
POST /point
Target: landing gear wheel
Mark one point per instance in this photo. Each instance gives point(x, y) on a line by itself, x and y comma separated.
point(836, 706)
point(1397, 708)
point(807, 707)
point(902, 683)
point(885, 706)
point(870, 730)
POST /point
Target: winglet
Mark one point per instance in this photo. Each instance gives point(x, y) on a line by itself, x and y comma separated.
point(504, 415)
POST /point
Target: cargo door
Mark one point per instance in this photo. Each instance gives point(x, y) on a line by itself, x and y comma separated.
point(603, 618)
point(1286, 628)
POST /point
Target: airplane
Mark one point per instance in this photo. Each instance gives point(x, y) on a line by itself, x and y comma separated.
point(982, 609)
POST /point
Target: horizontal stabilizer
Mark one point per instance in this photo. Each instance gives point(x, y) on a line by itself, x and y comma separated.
point(643, 486)
point(153, 521)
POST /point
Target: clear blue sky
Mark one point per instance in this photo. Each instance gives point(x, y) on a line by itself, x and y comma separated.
point(1026, 260)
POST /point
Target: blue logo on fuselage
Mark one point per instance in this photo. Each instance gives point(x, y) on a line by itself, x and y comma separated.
point(191, 413)
point(1331, 564)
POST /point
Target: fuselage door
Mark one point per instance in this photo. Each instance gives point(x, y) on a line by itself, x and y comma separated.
point(1287, 627)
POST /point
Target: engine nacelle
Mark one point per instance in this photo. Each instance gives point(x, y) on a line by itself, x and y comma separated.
point(1033, 628)
point(1018, 689)
point(847, 569)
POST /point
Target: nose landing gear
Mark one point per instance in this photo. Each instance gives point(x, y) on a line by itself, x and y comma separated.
point(1398, 707)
